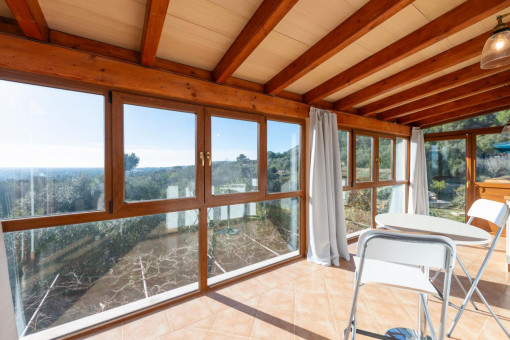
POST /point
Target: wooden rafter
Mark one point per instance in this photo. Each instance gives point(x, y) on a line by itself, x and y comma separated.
point(488, 96)
point(361, 22)
point(441, 61)
point(453, 21)
point(155, 14)
point(265, 18)
point(467, 74)
point(468, 112)
point(459, 92)
point(30, 18)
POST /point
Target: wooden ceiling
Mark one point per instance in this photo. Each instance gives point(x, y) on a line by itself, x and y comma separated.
point(411, 62)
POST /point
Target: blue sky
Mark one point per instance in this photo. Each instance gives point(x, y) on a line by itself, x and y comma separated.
point(47, 127)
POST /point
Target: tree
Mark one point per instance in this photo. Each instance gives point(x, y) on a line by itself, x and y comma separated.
point(130, 161)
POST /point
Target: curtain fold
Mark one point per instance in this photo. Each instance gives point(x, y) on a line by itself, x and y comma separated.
point(418, 187)
point(8, 329)
point(327, 240)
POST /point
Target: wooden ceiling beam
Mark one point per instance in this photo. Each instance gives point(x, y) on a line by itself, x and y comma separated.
point(30, 18)
point(462, 16)
point(31, 57)
point(476, 99)
point(265, 18)
point(463, 91)
point(451, 57)
point(155, 14)
point(467, 74)
point(74, 42)
point(465, 113)
point(361, 22)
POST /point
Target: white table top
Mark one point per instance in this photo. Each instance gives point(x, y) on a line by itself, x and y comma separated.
point(460, 233)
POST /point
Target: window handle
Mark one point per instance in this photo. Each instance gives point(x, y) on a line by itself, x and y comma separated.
point(202, 158)
point(209, 158)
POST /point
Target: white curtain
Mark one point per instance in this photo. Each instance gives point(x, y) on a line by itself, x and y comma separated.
point(8, 329)
point(418, 186)
point(326, 220)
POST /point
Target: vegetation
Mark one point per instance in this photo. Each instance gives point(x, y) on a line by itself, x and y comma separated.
point(446, 163)
point(106, 259)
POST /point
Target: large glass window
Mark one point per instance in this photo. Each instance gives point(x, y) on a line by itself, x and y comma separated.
point(446, 172)
point(344, 140)
point(66, 273)
point(492, 159)
point(401, 159)
point(283, 156)
point(385, 159)
point(364, 156)
point(234, 154)
point(358, 210)
point(160, 150)
point(52, 157)
point(243, 237)
point(391, 199)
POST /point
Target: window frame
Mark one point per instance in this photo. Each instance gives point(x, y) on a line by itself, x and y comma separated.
point(375, 183)
point(115, 193)
point(130, 209)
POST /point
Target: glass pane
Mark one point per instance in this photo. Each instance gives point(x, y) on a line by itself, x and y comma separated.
point(401, 160)
point(51, 151)
point(364, 150)
point(234, 153)
point(492, 158)
point(385, 159)
point(343, 139)
point(93, 267)
point(358, 210)
point(391, 199)
point(243, 237)
point(493, 119)
point(446, 172)
point(160, 151)
point(283, 156)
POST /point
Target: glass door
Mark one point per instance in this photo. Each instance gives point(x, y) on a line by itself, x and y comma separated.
point(447, 177)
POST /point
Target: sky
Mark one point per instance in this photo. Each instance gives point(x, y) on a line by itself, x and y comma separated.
point(45, 127)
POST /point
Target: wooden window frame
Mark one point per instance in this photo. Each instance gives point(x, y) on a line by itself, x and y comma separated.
point(114, 169)
point(375, 183)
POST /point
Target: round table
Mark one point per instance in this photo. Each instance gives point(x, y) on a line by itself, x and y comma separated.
point(460, 233)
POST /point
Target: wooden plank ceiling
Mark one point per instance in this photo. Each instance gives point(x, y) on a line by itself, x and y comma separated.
point(411, 62)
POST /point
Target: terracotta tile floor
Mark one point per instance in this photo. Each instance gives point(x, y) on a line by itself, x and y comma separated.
point(307, 301)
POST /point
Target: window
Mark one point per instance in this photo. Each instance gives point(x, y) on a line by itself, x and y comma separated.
point(94, 267)
point(283, 156)
point(159, 153)
point(446, 172)
point(401, 159)
point(379, 182)
point(234, 155)
point(358, 210)
point(52, 158)
point(104, 206)
point(246, 236)
point(492, 158)
point(385, 159)
point(345, 144)
point(364, 157)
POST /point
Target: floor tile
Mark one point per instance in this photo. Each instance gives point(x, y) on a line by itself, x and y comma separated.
point(147, 327)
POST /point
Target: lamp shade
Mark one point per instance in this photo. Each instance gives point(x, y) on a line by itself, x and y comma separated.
point(496, 52)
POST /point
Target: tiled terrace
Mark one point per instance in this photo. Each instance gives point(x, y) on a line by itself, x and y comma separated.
point(308, 301)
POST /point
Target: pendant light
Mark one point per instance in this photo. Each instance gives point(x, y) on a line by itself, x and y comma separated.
point(496, 52)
